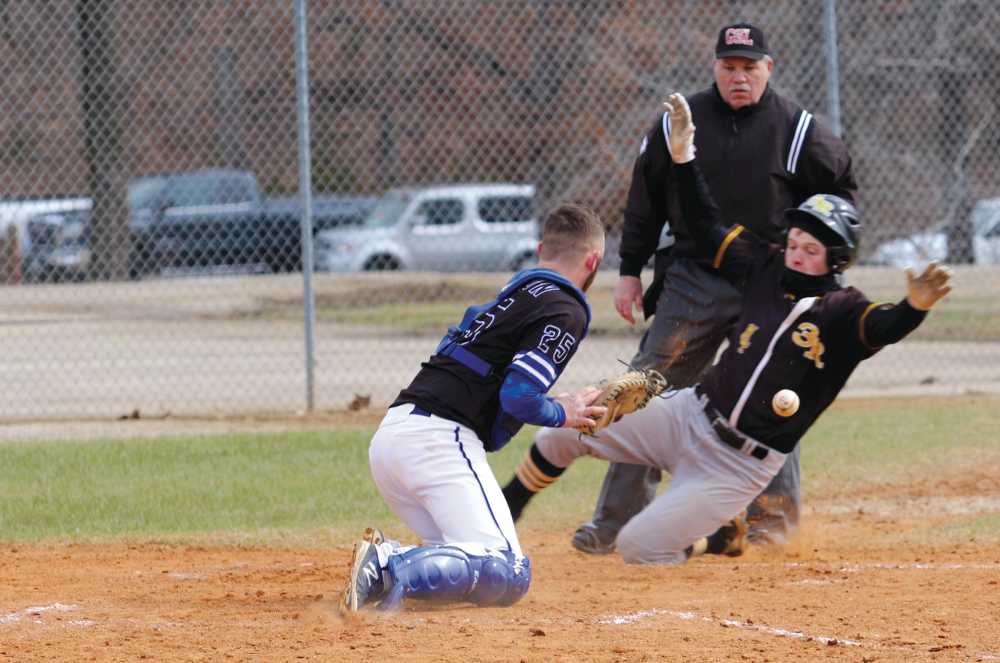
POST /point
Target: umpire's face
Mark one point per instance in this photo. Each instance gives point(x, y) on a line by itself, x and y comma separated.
point(741, 81)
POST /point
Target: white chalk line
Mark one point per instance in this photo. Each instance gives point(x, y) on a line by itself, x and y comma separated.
point(895, 566)
point(633, 617)
point(14, 617)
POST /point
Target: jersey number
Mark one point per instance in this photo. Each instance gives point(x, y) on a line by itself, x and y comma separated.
point(564, 342)
point(484, 321)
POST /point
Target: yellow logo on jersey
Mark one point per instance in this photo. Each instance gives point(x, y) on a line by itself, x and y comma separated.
point(807, 336)
point(745, 337)
point(820, 204)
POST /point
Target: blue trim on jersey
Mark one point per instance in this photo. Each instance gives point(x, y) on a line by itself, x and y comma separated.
point(489, 507)
point(527, 274)
point(536, 366)
point(521, 398)
point(480, 367)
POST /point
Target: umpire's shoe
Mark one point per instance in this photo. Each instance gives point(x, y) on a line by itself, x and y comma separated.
point(365, 582)
point(589, 539)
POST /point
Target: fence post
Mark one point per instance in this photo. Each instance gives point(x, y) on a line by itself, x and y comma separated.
point(305, 191)
point(832, 65)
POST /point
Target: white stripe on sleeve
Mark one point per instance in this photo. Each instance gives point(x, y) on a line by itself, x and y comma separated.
point(805, 117)
point(542, 380)
point(543, 362)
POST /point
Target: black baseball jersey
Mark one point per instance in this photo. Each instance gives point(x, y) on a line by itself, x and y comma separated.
point(757, 160)
point(809, 344)
point(534, 326)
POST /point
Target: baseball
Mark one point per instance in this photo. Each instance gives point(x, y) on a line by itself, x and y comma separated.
point(785, 403)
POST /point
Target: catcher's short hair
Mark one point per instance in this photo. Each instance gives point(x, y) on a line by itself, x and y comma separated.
point(571, 228)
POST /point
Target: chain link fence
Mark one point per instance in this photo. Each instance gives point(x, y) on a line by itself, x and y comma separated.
point(151, 247)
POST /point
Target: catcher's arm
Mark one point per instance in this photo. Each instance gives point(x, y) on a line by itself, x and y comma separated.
point(526, 401)
point(580, 409)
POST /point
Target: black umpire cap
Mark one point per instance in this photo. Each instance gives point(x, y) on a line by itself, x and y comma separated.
point(741, 40)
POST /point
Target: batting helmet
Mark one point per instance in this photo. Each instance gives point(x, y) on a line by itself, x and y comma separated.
point(833, 221)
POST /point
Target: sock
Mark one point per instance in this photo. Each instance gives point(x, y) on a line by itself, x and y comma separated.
point(532, 475)
point(699, 547)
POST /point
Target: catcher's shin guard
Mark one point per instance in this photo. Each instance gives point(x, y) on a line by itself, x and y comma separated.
point(448, 573)
point(532, 475)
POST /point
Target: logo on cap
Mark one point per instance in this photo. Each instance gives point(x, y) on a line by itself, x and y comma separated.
point(738, 36)
point(820, 204)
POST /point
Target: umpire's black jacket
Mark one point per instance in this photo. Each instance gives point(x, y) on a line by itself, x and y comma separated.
point(758, 161)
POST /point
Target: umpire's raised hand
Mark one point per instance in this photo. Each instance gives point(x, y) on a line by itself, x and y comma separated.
point(681, 138)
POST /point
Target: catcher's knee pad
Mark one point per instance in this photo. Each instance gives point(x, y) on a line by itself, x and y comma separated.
point(446, 573)
point(502, 581)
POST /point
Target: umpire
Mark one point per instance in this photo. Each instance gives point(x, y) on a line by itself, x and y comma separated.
point(760, 153)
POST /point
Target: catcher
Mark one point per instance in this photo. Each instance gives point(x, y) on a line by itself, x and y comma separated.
point(489, 376)
point(798, 339)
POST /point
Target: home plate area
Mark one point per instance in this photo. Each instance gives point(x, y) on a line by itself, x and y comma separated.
point(832, 594)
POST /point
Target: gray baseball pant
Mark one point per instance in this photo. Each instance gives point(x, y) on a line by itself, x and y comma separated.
point(710, 483)
point(694, 312)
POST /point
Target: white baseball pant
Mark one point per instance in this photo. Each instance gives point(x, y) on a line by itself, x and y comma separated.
point(433, 474)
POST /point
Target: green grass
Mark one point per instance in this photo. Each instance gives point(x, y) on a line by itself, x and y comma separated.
point(313, 487)
point(854, 444)
point(142, 488)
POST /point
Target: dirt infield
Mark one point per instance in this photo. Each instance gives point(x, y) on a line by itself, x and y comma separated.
point(881, 575)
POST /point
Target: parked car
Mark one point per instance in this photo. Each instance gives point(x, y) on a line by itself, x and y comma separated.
point(933, 245)
point(440, 228)
point(18, 213)
point(59, 248)
point(189, 219)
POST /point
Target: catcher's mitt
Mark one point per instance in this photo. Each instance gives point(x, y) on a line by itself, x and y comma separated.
point(626, 393)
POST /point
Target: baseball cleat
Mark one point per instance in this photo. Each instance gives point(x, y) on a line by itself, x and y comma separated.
point(587, 539)
point(734, 536)
point(365, 582)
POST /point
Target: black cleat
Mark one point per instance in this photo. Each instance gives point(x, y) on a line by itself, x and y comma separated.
point(731, 539)
point(588, 539)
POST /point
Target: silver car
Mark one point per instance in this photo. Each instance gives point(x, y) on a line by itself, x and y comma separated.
point(460, 227)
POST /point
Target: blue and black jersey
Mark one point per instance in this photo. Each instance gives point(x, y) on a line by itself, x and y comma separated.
point(533, 327)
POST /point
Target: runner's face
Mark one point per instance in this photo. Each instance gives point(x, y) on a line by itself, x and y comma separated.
point(806, 254)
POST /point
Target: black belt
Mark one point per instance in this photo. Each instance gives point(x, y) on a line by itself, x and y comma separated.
point(729, 435)
point(420, 412)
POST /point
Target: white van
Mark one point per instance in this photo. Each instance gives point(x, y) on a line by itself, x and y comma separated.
point(460, 227)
